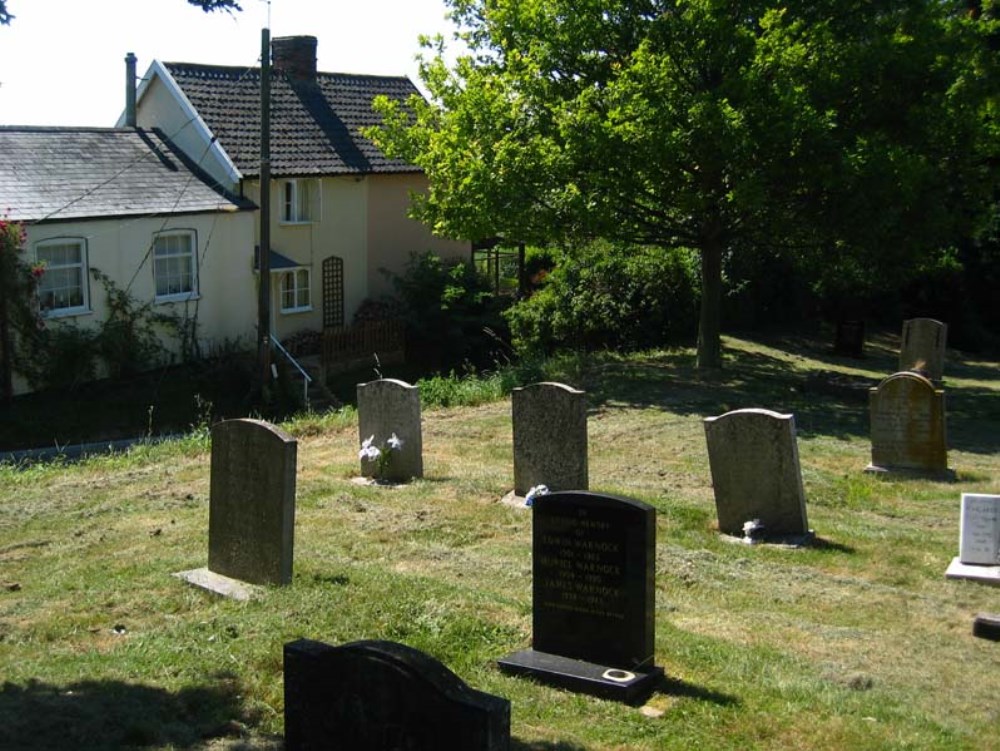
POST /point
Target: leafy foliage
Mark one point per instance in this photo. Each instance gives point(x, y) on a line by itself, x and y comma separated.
point(846, 130)
point(609, 296)
point(206, 5)
point(448, 309)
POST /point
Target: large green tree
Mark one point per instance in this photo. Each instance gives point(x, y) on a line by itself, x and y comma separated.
point(205, 5)
point(845, 127)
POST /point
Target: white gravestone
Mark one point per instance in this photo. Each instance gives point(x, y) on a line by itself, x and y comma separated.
point(979, 540)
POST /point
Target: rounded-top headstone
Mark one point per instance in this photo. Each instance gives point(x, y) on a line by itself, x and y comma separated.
point(388, 407)
point(908, 429)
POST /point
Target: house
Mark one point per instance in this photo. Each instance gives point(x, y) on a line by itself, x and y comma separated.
point(127, 202)
point(338, 205)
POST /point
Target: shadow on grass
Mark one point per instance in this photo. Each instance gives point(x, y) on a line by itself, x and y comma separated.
point(92, 715)
point(824, 402)
point(516, 745)
point(677, 687)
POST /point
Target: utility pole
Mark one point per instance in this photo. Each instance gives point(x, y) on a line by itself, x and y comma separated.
point(264, 262)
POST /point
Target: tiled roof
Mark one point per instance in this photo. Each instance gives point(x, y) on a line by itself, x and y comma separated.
point(315, 124)
point(75, 173)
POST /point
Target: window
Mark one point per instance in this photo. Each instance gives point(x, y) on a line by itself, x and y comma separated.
point(295, 296)
point(298, 201)
point(62, 289)
point(175, 266)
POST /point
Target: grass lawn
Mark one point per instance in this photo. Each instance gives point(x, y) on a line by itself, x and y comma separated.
point(856, 642)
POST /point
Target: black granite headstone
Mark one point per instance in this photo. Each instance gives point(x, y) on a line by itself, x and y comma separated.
point(384, 696)
point(593, 596)
point(987, 626)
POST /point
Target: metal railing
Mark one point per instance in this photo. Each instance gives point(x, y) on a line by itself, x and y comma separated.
point(306, 379)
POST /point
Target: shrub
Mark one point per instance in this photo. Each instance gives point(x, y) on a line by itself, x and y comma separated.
point(610, 296)
point(448, 309)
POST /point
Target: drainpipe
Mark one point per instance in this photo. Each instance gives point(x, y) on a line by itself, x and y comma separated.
point(129, 90)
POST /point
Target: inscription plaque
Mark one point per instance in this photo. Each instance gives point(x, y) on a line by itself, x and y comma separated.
point(592, 595)
point(979, 536)
point(384, 696)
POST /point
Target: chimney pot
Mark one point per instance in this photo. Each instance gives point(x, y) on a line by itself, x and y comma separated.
point(130, 90)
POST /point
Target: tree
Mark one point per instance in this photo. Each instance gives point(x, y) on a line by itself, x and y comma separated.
point(844, 127)
point(205, 5)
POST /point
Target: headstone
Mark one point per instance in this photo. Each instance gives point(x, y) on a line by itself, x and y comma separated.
point(593, 600)
point(849, 338)
point(754, 460)
point(908, 426)
point(923, 346)
point(979, 533)
point(978, 541)
point(388, 407)
point(384, 696)
point(987, 626)
point(550, 437)
point(251, 508)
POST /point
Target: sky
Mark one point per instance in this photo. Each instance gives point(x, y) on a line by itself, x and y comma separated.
point(62, 61)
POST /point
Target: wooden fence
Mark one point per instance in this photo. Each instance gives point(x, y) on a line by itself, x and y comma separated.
point(345, 347)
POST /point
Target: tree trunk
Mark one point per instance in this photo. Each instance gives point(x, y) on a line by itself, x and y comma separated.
point(710, 320)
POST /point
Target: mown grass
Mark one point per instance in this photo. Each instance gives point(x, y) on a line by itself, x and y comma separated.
point(856, 642)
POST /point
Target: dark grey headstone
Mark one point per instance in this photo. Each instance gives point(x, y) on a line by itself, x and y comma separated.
point(384, 696)
point(593, 600)
point(849, 338)
point(252, 502)
point(923, 347)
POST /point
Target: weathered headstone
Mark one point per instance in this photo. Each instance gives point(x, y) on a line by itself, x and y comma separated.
point(251, 508)
point(384, 696)
point(979, 540)
point(923, 347)
point(754, 460)
point(388, 407)
point(550, 437)
point(593, 597)
point(908, 426)
point(849, 338)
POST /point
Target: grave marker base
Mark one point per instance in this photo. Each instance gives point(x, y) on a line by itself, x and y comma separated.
point(983, 574)
point(219, 584)
point(616, 684)
point(987, 626)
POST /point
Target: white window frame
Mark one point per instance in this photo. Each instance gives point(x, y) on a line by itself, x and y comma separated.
point(191, 253)
point(300, 201)
point(50, 268)
point(299, 286)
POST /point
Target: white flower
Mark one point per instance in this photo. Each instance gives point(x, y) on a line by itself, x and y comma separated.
point(534, 492)
point(368, 451)
point(395, 443)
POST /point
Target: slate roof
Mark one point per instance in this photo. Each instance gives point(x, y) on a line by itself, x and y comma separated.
point(74, 173)
point(315, 123)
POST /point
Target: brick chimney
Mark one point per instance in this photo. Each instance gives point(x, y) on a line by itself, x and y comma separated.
point(295, 56)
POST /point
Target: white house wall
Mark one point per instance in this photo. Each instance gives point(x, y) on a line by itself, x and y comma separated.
point(225, 307)
point(159, 108)
point(393, 236)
